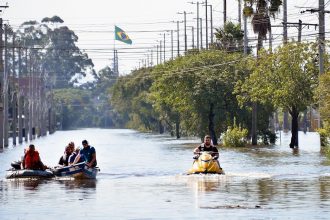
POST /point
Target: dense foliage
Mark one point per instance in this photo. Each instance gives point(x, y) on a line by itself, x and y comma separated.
point(191, 95)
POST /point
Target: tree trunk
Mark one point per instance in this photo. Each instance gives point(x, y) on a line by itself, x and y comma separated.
point(285, 121)
point(211, 125)
point(305, 121)
point(254, 124)
point(161, 127)
point(294, 128)
point(254, 128)
point(177, 127)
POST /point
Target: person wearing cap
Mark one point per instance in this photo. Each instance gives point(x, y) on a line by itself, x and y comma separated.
point(88, 153)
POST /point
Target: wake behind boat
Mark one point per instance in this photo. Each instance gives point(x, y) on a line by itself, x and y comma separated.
point(77, 171)
point(206, 164)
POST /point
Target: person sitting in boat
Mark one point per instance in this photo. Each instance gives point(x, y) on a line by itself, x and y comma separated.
point(64, 160)
point(88, 153)
point(32, 159)
point(207, 146)
point(74, 155)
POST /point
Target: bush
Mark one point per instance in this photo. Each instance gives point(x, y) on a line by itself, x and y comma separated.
point(324, 136)
point(235, 136)
point(267, 137)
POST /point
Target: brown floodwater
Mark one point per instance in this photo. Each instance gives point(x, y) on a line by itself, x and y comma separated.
point(143, 177)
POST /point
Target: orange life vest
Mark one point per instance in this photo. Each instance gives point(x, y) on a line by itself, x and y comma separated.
point(31, 160)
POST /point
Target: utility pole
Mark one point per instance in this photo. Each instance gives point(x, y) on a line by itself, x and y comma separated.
point(245, 33)
point(197, 20)
point(299, 30)
point(240, 12)
point(1, 85)
point(2, 74)
point(321, 37)
point(285, 40)
point(160, 52)
point(201, 33)
point(197, 25)
point(192, 37)
point(157, 54)
point(164, 48)
point(185, 30)
point(148, 59)
point(172, 44)
point(27, 112)
point(211, 15)
point(321, 13)
point(206, 27)
point(224, 12)
point(20, 98)
point(14, 100)
point(178, 37)
point(5, 94)
point(31, 101)
point(285, 21)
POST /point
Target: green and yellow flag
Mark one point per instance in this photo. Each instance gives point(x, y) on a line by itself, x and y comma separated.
point(122, 36)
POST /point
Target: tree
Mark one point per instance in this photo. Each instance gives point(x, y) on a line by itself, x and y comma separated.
point(54, 50)
point(130, 100)
point(261, 25)
point(287, 79)
point(229, 38)
point(198, 89)
point(75, 107)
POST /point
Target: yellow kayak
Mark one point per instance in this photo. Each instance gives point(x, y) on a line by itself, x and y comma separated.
point(206, 164)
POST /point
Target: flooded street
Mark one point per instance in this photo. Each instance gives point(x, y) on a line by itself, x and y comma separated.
point(142, 177)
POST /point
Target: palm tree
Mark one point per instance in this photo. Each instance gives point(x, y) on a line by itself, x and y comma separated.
point(260, 10)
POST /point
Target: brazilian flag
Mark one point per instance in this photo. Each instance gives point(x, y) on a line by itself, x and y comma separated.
point(122, 36)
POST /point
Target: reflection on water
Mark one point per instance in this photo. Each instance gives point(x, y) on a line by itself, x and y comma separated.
point(27, 184)
point(143, 180)
point(71, 184)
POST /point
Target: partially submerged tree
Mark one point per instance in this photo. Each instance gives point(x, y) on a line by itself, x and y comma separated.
point(287, 79)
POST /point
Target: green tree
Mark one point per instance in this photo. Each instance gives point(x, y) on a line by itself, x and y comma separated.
point(287, 79)
point(130, 99)
point(75, 107)
point(229, 38)
point(198, 89)
point(52, 49)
